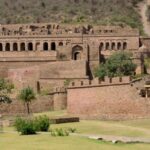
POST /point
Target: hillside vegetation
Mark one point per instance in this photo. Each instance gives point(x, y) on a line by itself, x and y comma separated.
point(71, 11)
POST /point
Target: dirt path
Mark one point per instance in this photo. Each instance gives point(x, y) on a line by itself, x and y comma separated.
point(143, 9)
point(114, 139)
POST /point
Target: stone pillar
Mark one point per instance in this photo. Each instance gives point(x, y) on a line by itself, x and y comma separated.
point(146, 90)
point(26, 46)
point(49, 45)
point(4, 44)
point(11, 46)
point(18, 44)
point(34, 45)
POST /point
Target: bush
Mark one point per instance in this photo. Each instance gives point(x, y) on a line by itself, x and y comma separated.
point(59, 132)
point(25, 126)
point(72, 130)
point(42, 123)
point(31, 126)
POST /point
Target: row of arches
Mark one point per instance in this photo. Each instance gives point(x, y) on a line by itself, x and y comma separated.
point(113, 46)
point(27, 46)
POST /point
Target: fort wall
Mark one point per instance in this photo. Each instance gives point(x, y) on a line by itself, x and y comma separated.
point(112, 99)
point(41, 104)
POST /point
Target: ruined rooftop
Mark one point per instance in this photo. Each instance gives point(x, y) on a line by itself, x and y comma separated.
point(61, 29)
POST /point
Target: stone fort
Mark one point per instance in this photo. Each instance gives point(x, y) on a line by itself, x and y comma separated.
point(50, 57)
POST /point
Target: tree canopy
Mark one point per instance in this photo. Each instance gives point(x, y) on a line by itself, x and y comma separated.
point(119, 64)
point(27, 95)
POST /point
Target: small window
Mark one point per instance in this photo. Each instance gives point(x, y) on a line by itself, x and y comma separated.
point(30, 46)
point(60, 43)
point(15, 47)
point(7, 47)
point(22, 46)
point(45, 46)
point(1, 47)
point(53, 46)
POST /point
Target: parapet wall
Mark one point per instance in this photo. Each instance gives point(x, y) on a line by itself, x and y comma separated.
point(98, 82)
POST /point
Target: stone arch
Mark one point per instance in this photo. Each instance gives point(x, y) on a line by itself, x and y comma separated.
point(77, 52)
point(113, 46)
point(7, 47)
point(15, 47)
point(22, 46)
point(45, 46)
point(53, 46)
point(119, 46)
point(30, 46)
point(124, 45)
point(77, 56)
point(60, 43)
point(1, 47)
point(107, 46)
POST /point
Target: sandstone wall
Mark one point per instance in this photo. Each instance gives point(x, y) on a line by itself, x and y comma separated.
point(43, 103)
point(107, 101)
point(24, 77)
point(63, 70)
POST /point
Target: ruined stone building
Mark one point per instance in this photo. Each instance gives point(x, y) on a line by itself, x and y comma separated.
point(46, 56)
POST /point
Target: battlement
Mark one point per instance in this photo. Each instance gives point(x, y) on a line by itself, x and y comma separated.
point(98, 82)
point(60, 90)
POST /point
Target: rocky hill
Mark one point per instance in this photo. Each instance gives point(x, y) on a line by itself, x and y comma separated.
point(112, 12)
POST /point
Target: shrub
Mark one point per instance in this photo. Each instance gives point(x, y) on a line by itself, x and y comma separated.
point(72, 130)
point(42, 123)
point(59, 132)
point(25, 126)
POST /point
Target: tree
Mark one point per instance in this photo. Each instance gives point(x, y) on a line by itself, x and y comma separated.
point(27, 95)
point(119, 64)
point(5, 88)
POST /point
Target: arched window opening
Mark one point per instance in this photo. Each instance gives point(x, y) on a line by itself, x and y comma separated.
point(30, 46)
point(1, 47)
point(22, 47)
point(113, 46)
point(119, 46)
point(53, 46)
point(77, 56)
point(124, 45)
point(15, 47)
point(101, 47)
point(77, 52)
point(7, 47)
point(60, 43)
point(45, 46)
point(107, 46)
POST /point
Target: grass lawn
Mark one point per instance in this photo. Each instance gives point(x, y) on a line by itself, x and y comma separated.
point(13, 141)
point(44, 141)
point(110, 128)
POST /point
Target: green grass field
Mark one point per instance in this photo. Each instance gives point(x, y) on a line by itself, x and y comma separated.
point(11, 140)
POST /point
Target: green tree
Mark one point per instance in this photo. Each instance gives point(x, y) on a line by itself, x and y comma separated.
point(27, 95)
point(5, 89)
point(119, 64)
